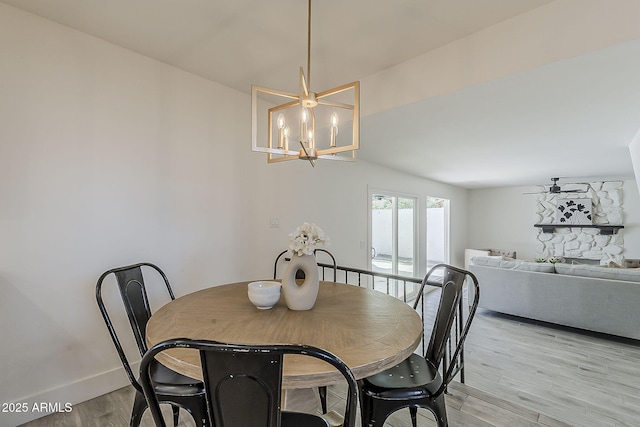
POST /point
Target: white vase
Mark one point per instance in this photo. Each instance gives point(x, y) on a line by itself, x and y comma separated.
point(301, 296)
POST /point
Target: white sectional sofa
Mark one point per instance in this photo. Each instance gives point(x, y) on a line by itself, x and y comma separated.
point(589, 297)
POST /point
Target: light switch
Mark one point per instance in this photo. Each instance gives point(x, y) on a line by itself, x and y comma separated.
point(275, 222)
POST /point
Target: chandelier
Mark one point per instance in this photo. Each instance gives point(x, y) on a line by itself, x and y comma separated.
point(306, 125)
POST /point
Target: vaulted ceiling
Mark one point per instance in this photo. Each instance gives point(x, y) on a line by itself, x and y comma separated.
point(473, 93)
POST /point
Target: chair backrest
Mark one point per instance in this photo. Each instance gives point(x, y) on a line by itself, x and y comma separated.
point(243, 383)
point(333, 265)
point(450, 312)
point(133, 292)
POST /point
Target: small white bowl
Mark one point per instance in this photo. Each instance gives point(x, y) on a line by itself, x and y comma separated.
point(264, 295)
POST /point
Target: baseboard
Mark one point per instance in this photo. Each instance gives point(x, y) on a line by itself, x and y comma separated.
point(61, 398)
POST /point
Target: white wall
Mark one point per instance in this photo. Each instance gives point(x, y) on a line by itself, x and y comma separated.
point(109, 158)
point(106, 158)
point(631, 200)
point(334, 196)
point(503, 218)
point(634, 152)
point(523, 42)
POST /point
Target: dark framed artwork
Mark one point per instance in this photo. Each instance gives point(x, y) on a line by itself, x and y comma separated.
point(574, 211)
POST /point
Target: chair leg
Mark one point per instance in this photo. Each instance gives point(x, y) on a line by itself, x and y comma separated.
point(200, 417)
point(439, 409)
point(414, 415)
point(176, 414)
point(197, 408)
point(379, 415)
point(322, 391)
point(139, 406)
point(374, 413)
point(365, 410)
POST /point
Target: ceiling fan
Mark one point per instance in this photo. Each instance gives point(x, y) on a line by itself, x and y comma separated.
point(556, 189)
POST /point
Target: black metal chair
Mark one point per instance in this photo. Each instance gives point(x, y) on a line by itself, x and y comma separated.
point(322, 391)
point(415, 382)
point(178, 390)
point(243, 383)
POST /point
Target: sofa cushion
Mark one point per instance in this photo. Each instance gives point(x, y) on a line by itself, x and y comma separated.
point(632, 263)
point(502, 252)
point(487, 261)
point(624, 274)
point(540, 267)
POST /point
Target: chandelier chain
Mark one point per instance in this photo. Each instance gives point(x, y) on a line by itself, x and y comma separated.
point(309, 45)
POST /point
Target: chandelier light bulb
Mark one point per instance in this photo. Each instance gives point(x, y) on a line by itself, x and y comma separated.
point(281, 137)
point(303, 126)
point(286, 138)
point(334, 130)
point(310, 138)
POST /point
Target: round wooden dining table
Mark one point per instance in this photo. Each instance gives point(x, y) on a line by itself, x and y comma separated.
point(369, 330)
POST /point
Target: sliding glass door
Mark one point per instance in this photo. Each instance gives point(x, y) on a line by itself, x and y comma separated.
point(393, 238)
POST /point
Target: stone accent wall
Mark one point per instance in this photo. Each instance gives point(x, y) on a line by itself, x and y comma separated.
point(578, 242)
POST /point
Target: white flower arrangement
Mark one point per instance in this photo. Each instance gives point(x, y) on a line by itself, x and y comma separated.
point(306, 238)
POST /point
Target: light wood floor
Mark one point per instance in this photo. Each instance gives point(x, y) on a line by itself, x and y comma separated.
point(584, 379)
point(519, 373)
point(466, 406)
